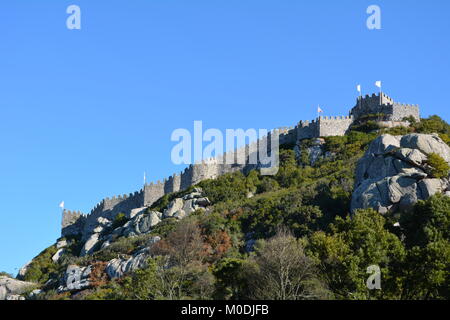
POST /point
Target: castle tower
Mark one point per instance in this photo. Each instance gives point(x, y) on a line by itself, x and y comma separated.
point(384, 106)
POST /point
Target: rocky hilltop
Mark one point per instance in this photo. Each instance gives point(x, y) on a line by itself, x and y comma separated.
point(338, 204)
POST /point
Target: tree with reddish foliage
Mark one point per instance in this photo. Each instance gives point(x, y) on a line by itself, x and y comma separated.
point(98, 276)
point(219, 242)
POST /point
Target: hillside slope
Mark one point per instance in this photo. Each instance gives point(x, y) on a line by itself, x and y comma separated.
point(288, 236)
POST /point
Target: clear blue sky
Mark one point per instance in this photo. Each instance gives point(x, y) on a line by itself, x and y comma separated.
point(85, 112)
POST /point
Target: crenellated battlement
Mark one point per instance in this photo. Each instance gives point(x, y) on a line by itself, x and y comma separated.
point(385, 105)
point(72, 222)
point(77, 223)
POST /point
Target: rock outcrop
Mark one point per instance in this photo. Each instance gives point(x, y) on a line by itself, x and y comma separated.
point(57, 255)
point(315, 150)
point(394, 174)
point(141, 221)
point(181, 207)
point(117, 268)
point(141, 224)
point(12, 289)
point(23, 271)
point(75, 278)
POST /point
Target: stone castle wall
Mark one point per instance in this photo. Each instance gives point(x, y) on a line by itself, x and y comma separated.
point(323, 127)
point(392, 110)
point(72, 222)
point(401, 111)
point(334, 126)
point(76, 223)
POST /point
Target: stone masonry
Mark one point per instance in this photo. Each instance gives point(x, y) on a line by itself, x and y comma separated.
point(76, 223)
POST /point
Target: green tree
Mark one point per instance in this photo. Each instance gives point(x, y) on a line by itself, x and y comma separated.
point(427, 236)
point(231, 282)
point(354, 244)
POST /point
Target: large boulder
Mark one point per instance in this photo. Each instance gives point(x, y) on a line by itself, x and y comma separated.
point(75, 278)
point(57, 255)
point(141, 224)
point(393, 173)
point(61, 244)
point(182, 207)
point(426, 143)
point(118, 267)
point(23, 271)
point(174, 207)
point(135, 212)
point(90, 244)
point(11, 289)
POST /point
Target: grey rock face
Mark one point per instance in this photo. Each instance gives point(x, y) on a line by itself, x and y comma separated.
point(75, 278)
point(392, 175)
point(61, 244)
point(117, 268)
point(90, 244)
point(57, 255)
point(141, 224)
point(315, 152)
point(35, 292)
point(182, 207)
point(11, 289)
point(135, 212)
point(429, 187)
point(427, 143)
point(203, 202)
point(23, 271)
point(141, 221)
point(174, 206)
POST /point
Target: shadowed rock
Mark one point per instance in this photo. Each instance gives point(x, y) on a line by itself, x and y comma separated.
point(393, 173)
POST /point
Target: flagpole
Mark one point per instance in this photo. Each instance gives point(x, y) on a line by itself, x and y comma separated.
point(61, 205)
point(380, 94)
point(360, 95)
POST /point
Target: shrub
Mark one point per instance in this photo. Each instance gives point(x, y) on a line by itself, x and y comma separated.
point(5, 274)
point(119, 220)
point(42, 268)
point(433, 124)
point(439, 167)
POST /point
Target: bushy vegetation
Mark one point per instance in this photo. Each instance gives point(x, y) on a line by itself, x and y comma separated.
point(433, 124)
point(439, 167)
point(42, 268)
point(288, 236)
point(119, 220)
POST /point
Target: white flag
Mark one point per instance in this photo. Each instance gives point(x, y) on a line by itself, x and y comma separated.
point(61, 205)
point(378, 84)
point(358, 87)
point(319, 110)
point(145, 179)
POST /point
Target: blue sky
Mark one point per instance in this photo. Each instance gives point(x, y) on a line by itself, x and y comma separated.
point(85, 112)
